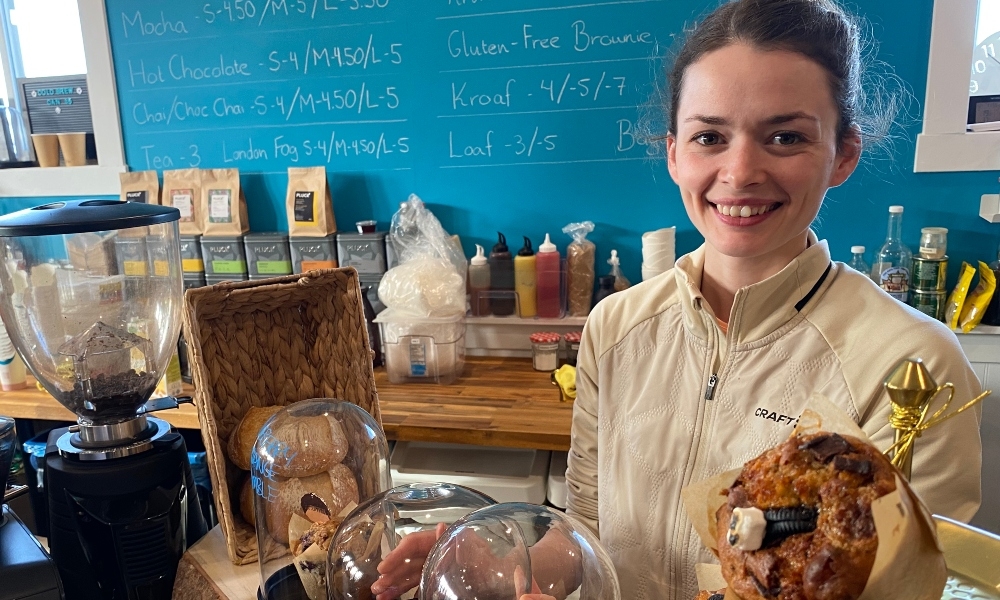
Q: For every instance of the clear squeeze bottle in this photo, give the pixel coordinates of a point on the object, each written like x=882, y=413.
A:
x=524, y=279
x=548, y=268
x=894, y=261
x=501, y=278
x=858, y=260
x=479, y=282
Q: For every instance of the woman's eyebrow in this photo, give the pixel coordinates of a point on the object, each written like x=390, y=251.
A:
x=707, y=119
x=788, y=117
x=775, y=120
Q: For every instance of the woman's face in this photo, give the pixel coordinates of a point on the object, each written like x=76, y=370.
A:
x=756, y=149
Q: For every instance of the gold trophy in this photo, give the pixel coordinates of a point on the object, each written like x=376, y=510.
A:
x=911, y=390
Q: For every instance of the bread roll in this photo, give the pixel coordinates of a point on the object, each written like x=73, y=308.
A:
x=315, y=445
x=243, y=437
x=336, y=488
x=246, y=502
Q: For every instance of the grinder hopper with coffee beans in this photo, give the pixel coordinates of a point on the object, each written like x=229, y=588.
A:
x=825, y=514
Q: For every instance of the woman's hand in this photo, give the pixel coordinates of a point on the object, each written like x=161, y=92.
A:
x=400, y=569
x=519, y=582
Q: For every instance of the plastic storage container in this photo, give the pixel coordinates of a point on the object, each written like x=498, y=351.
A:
x=376, y=527
x=501, y=550
x=309, y=254
x=507, y=474
x=191, y=259
x=420, y=350
x=314, y=461
x=363, y=251
x=268, y=255
x=224, y=255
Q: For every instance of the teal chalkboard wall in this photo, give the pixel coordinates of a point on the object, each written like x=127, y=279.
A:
x=511, y=116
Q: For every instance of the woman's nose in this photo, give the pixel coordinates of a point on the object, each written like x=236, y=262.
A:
x=743, y=165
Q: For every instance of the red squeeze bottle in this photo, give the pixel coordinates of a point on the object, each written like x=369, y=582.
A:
x=548, y=286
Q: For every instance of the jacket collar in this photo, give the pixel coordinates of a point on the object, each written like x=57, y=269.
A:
x=759, y=309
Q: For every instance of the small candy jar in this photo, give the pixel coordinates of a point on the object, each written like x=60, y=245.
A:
x=507, y=550
x=313, y=463
x=376, y=527
x=572, y=340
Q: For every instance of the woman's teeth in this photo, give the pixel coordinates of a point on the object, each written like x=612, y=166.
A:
x=733, y=210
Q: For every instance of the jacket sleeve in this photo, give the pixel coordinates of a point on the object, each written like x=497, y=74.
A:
x=581, y=472
x=947, y=458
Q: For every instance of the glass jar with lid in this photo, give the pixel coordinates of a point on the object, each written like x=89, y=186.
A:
x=507, y=550
x=376, y=527
x=312, y=464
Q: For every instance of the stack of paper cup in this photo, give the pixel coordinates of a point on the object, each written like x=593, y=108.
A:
x=657, y=251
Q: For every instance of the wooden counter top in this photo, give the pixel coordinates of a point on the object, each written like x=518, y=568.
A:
x=497, y=402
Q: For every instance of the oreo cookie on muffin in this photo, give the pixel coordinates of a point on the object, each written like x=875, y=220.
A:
x=797, y=523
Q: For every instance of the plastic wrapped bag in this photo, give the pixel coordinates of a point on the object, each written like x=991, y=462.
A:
x=580, y=255
x=621, y=282
x=430, y=278
x=416, y=233
x=975, y=306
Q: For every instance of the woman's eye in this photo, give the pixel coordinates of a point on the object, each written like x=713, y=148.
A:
x=707, y=139
x=786, y=138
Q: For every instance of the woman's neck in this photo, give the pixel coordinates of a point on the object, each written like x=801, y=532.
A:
x=723, y=275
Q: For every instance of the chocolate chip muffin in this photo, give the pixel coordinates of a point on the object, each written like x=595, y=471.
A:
x=797, y=523
x=706, y=595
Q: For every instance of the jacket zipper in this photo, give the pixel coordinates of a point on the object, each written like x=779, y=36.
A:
x=710, y=389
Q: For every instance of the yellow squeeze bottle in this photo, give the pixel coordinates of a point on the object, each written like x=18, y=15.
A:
x=524, y=280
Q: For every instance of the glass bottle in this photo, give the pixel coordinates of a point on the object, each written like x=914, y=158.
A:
x=894, y=261
x=858, y=260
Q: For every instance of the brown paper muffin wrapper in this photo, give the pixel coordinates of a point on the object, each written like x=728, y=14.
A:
x=909, y=563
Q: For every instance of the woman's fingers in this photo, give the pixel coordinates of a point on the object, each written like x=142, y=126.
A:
x=400, y=569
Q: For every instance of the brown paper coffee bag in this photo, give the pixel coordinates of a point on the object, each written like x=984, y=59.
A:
x=222, y=203
x=310, y=208
x=140, y=186
x=182, y=190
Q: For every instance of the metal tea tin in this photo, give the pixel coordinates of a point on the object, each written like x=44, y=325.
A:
x=929, y=274
x=224, y=255
x=930, y=303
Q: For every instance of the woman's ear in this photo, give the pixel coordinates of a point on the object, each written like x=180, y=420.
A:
x=848, y=156
x=671, y=142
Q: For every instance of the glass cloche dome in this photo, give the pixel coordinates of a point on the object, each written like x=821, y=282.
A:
x=376, y=527
x=312, y=464
x=507, y=550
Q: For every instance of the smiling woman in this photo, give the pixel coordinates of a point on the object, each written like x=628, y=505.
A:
x=696, y=371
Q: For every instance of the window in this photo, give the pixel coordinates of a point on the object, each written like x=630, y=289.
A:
x=964, y=33
x=27, y=50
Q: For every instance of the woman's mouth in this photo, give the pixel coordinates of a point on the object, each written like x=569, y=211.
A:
x=744, y=214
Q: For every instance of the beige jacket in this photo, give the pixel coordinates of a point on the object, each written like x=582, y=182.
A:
x=665, y=399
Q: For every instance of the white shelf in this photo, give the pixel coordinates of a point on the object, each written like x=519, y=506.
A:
x=508, y=336
x=91, y=180
x=989, y=207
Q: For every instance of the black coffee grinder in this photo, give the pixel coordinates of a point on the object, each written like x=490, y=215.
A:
x=91, y=296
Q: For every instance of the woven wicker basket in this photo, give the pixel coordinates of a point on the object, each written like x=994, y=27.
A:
x=266, y=343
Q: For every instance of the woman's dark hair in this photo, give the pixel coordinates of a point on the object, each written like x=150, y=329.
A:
x=817, y=29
